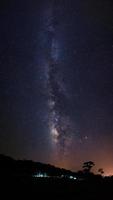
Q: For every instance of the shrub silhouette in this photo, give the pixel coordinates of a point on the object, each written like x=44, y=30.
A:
x=101, y=171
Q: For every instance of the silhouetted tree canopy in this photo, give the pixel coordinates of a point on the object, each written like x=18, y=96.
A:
x=87, y=166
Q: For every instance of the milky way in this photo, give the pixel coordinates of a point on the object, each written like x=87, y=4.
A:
x=59, y=123
x=56, y=95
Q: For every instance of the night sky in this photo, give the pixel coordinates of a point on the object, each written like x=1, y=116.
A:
x=56, y=81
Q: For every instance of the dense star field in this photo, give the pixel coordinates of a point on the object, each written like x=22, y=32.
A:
x=56, y=77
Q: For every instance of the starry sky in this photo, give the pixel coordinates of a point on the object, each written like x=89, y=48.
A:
x=56, y=81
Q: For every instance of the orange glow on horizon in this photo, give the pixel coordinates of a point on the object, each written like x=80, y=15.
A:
x=108, y=172
x=66, y=164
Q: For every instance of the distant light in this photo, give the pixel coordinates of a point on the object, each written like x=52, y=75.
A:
x=72, y=177
x=40, y=175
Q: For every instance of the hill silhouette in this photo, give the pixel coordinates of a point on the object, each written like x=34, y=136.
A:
x=10, y=166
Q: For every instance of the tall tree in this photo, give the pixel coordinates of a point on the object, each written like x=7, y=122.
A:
x=87, y=166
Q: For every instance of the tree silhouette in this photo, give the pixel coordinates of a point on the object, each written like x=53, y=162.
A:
x=87, y=166
x=101, y=171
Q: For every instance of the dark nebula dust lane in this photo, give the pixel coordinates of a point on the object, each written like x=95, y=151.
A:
x=56, y=69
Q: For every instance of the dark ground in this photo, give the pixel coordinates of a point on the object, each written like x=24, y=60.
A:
x=51, y=188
